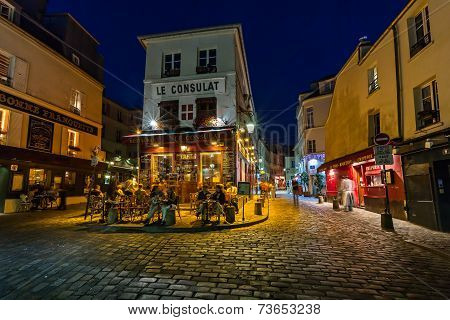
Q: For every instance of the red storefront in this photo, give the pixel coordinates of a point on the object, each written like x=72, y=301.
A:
x=369, y=190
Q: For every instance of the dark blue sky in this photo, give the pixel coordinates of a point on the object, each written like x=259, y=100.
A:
x=288, y=43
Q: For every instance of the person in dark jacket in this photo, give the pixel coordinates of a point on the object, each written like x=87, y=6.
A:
x=219, y=197
x=202, y=195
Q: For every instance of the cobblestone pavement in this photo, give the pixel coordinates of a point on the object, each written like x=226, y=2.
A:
x=301, y=252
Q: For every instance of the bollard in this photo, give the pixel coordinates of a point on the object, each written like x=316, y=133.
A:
x=170, y=218
x=230, y=216
x=258, y=208
x=320, y=199
x=335, y=204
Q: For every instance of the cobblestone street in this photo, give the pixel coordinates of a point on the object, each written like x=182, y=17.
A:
x=302, y=252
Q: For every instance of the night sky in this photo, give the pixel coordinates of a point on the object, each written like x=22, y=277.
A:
x=288, y=43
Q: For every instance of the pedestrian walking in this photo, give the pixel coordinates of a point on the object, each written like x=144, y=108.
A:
x=295, y=186
x=346, y=188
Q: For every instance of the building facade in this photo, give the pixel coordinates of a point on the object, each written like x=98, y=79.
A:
x=277, y=173
x=50, y=112
x=312, y=115
x=198, y=121
x=398, y=86
x=423, y=62
x=118, y=121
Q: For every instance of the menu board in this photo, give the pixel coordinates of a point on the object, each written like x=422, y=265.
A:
x=228, y=166
x=40, y=135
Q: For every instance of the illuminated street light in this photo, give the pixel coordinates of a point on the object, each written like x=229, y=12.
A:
x=250, y=127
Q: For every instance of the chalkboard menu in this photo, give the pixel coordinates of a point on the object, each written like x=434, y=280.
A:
x=40, y=135
x=228, y=166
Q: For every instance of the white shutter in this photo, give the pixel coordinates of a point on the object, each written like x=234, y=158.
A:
x=73, y=97
x=4, y=68
x=15, y=129
x=20, y=78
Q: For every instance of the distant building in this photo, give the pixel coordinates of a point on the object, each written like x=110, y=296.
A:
x=118, y=122
x=312, y=114
x=277, y=174
x=289, y=167
x=50, y=108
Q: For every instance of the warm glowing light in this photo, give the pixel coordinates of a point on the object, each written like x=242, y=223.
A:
x=184, y=148
x=242, y=130
x=250, y=127
x=138, y=131
x=156, y=145
x=214, y=143
x=246, y=139
x=154, y=124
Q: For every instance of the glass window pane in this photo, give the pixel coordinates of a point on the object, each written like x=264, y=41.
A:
x=202, y=62
x=211, y=163
x=190, y=116
x=168, y=58
x=191, y=107
x=202, y=54
x=177, y=57
x=212, y=53
x=212, y=61
x=183, y=116
x=177, y=65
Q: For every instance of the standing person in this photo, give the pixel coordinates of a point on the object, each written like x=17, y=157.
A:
x=346, y=189
x=294, y=184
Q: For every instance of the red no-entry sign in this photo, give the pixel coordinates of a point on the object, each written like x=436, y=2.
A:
x=382, y=139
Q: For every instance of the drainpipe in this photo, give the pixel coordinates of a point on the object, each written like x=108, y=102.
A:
x=398, y=81
x=400, y=107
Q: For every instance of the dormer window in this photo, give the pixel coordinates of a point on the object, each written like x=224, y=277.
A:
x=6, y=10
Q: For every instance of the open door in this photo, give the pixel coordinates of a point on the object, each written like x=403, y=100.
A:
x=4, y=182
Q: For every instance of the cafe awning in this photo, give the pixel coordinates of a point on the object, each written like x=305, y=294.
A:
x=360, y=156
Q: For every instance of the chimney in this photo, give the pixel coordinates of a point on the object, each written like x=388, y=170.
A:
x=364, y=46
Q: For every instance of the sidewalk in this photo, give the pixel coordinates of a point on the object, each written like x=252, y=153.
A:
x=435, y=241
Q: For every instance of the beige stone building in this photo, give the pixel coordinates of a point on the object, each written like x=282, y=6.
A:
x=50, y=115
x=398, y=86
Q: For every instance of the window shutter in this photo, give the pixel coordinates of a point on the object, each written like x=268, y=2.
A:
x=417, y=105
x=83, y=104
x=371, y=130
x=73, y=97
x=15, y=129
x=4, y=67
x=20, y=78
x=411, y=31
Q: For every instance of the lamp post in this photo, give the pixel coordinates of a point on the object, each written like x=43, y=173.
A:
x=138, y=156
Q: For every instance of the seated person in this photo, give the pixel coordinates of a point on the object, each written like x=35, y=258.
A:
x=97, y=191
x=231, y=194
x=140, y=194
x=118, y=193
x=155, y=196
x=219, y=197
x=202, y=195
x=169, y=201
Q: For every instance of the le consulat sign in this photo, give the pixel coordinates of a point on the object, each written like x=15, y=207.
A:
x=26, y=106
x=188, y=87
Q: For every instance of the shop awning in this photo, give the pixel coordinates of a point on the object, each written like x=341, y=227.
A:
x=360, y=156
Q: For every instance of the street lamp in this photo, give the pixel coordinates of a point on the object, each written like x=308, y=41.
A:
x=138, y=132
x=250, y=127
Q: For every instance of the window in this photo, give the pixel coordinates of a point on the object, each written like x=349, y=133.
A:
x=75, y=59
x=374, y=127
x=37, y=176
x=311, y=146
x=172, y=64
x=206, y=108
x=373, y=79
x=168, y=113
x=211, y=168
x=4, y=121
x=73, y=139
x=309, y=118
x=69, y=178
x=427, y=104
x=119, y=115
x=76, y=101
x=6, y=10
x=105, y=109
x=326, y=87
x=207, y=61
x=5, y=68
x=118, y=136
x=419, y=28
x=187, y=112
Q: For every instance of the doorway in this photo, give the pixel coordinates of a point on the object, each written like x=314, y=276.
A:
x=4, y=182
x=442, y=186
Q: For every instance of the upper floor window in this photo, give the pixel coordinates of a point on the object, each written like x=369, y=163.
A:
x=172, y=65
x=75, y=59
x=326, y=87
x=5, y=68
x=105, y=109
x=309, y=118
x=187, y=112
x=6, y=10
x=311, y=145
x=168, y=113
x=207, y=61
x=419, y=31
x=373, y=79
x=118, y=136
x=374, y=127
x=73, y=142
x=119, y=115
x=206, y=109
x=4, y=121
x=76, y=101
x=426, y=99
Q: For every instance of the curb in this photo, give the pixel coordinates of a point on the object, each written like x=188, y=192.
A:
x=152, y=229
x=428, y=248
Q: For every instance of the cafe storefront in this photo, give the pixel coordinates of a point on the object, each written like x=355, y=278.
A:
x=369, y=189
x=189, y=159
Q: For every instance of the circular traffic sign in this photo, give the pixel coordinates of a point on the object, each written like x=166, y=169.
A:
x=382, y=139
